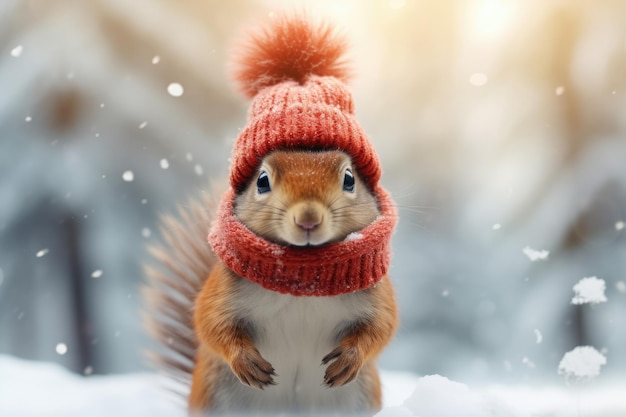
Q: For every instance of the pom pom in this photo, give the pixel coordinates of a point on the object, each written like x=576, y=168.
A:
x=289, y=48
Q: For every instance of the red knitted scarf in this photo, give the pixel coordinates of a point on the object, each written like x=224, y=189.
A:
x=356, y=263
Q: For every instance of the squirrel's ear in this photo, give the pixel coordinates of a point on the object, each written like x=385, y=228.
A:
x=288, y=48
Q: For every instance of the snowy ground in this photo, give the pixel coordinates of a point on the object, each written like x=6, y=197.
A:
x=43, y=389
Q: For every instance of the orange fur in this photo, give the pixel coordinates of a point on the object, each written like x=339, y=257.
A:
x=224, y=339
x=365, y=341
x=289, y=48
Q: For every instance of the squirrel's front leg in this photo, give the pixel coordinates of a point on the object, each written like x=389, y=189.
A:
x=220, y=330
x=365, y=338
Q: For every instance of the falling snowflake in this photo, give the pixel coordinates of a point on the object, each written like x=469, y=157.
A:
x=559, y=90
x=535, y=255
x=42, y=253
x=619, y=225
x=61, y=348
x=496, y=226
x=589, y=290
x=143, y=125
x=198, y=169
x=156, y=59
x=164, y=163
x=128, y=176
x=145, y=232
x=583, y=362
x=97, y=273
x=538, y=336
x=528, y=362
x=175, y=90
x=17, y=51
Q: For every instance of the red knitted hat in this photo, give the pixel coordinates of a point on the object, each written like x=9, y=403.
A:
x=294, y=73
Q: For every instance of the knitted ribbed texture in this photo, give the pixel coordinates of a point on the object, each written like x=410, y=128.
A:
x=318, y=114
x=351, y=265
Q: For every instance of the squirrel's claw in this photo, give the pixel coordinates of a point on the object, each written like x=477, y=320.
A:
x=344, y=369
x=251, y=369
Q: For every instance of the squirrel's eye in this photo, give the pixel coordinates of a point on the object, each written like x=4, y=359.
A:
x=263, y=183
x=348, y=181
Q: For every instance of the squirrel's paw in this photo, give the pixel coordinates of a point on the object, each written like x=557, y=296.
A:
x=344, y=369
x=251, y=369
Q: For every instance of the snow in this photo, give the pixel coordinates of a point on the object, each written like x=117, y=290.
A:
x=17, y=51
x=164, y=163
x=143, y=125
x=496, y=226
x=175, y=89
x=353, y=236
x=44, y=389
x=559, y=90
x=156, y=59
x=619, y=285
x=589, y=290
x=128, y=176
x=42, y=253
x=198, y=169
x=432, y=395
x=146, y=232
x=538, y=336
x=97, y=273
x=535, y=255
x=583, y=362
x=619, y=225
x=61, y=348
x=528, y=363
x=39, y=388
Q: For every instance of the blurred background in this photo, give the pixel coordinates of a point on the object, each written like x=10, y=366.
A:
x=501, y=125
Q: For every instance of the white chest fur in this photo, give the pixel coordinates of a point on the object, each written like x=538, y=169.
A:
x=294, y=334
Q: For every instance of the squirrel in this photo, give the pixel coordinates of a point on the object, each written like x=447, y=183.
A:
x=289, y=304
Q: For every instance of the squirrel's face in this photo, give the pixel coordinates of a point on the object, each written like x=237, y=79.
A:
x=305, y=198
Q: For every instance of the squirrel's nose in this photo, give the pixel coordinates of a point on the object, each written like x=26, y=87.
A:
x=308, y=225
x=308, y=218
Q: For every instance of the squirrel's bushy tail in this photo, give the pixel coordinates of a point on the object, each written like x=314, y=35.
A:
x=181, y=263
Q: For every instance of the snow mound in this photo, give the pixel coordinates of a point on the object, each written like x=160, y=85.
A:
x=432, y=398
x=589, y=290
